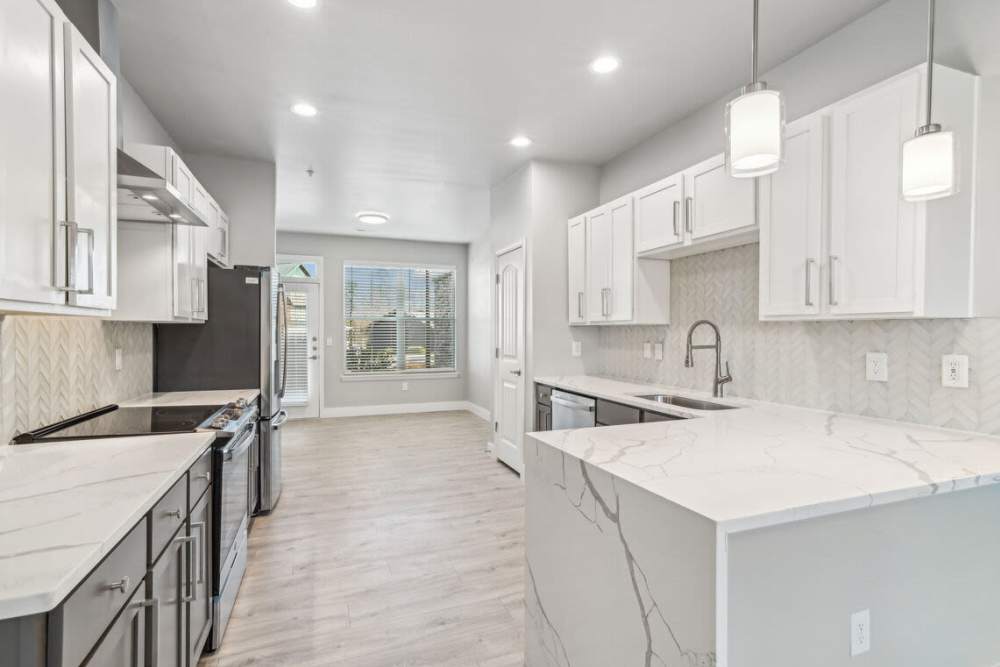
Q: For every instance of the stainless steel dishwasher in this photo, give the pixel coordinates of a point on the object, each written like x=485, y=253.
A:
x=571, y=411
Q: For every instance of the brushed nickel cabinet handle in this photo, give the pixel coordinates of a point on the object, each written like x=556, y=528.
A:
x=833, y=283
x=207, y=476
x=153, y=604
x=579, y=305
x=72, y=239
x=689, y=214
x=677, y=215
x=90, y=260
x=122, y=585
x=177, y=513
x=809, y=267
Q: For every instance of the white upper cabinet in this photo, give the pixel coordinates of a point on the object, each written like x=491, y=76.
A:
x=838, y=240
x=717, y=204
x=598, y=262
x=91, y=172
x=791, y=223
x=218, y=236
x=576, y=290
x=57, y=166
x=658, y=216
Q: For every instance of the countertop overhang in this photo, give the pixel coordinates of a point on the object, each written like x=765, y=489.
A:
x=767, y=464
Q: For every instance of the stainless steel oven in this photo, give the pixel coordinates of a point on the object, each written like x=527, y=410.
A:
x=232, y=493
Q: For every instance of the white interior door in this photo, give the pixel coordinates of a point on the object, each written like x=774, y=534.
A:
x=304, y=351
x=509, y=381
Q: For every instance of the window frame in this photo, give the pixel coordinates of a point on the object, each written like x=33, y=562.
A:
x=416, y=373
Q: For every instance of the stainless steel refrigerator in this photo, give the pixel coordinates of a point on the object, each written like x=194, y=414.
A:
x=242, y=345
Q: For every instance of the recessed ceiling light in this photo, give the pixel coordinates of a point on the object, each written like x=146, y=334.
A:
x=304, y=109
x=520, y=141
x=150, y=197
x=303, y=4
x=605, y=65
x=372, y=217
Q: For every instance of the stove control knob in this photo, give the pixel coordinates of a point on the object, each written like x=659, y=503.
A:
x=241, y=403
x=219, y=422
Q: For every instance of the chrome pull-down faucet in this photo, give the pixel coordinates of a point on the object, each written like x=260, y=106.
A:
x=720, y=379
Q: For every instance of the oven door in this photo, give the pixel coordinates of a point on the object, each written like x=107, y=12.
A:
x=235, y=489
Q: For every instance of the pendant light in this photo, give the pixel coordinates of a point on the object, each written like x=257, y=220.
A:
x=755, y=124
x=929, y=157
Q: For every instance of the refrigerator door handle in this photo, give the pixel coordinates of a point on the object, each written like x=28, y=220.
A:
x=279, y=420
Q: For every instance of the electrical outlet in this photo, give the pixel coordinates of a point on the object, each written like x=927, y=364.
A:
x=658, y=351
x=577, y=348
x=877, y=367
x=861, y=632
x=647, y=350
x=405, y=386
x=118, y=358
x=955, y=371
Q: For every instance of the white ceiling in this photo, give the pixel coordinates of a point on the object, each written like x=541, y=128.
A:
x=417, y=99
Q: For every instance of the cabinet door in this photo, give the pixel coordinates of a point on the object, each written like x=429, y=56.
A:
x=715, y=202
x=658, y=216
x=200, y=201
x=200, y=606
x=32, y=152
x=791, y=223
x=199, y=271
x=169, y=580
x=183, y=272
x=91, y=178
x=622, y=260
x=872, y=230
x=599, y=250
x=125, y=641
x=181, y=178
x=223, y=232
x=576, y=244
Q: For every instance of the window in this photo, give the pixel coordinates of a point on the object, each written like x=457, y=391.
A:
x=303, y=270
x=297, y=379
x=398, y=319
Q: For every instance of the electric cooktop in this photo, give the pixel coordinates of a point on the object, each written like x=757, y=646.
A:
x=112, y=421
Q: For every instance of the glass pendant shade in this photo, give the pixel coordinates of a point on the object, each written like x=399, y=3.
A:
x=755, y=128
x=929, y=166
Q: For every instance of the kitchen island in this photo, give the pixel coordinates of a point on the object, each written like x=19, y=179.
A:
x=748, y=538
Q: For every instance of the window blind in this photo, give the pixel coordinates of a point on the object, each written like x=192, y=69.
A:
x=297, y=382
x=398, y=319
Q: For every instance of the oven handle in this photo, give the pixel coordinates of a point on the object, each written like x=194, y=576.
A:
x=239, y=446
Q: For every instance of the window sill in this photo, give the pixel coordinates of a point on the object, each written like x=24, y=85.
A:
x=399, y=377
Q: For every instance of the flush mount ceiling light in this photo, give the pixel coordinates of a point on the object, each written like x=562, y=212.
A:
x=304, y=109
x=303, y=4
x=755, y=124
x=929, y=157
x=372, y=217
x=605, y=65
x=520, y=141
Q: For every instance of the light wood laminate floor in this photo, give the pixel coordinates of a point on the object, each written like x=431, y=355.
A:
x=397, y=541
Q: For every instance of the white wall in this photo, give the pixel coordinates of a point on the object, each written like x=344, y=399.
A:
x=335, y=250
x=139, y=125
x=246, y=190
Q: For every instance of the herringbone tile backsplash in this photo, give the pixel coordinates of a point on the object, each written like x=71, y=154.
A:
x=812, y=364
x=53, y=368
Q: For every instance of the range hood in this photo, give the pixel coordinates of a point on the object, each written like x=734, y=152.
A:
x=145, y=196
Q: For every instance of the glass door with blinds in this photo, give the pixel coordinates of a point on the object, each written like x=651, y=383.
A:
x=302, y=385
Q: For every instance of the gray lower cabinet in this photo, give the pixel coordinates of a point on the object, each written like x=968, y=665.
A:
x=125, y=642
x=200, y=606
x=169, y=586
x=543, y=417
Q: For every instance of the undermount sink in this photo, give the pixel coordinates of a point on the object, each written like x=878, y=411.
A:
x=682, y=402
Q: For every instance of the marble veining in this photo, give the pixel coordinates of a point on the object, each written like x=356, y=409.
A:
x=178, y=398
x=765, y=464
x=64, y=505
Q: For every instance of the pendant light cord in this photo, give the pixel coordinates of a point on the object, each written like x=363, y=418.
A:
x=753, y=42
x=930, y=57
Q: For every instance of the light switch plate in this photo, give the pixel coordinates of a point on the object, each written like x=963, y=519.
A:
x=658, y=351
x=861, y=632
x=577, y=348
x=877, y=367
x=955, y=371
x=647, y=350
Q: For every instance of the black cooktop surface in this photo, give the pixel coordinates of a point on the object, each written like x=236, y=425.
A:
x=112, y=421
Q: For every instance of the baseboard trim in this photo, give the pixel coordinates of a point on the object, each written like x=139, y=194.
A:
x=404, y=409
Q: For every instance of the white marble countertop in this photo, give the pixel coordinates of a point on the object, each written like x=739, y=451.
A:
x=64, y=505
x=767, y=464
x=173, y=398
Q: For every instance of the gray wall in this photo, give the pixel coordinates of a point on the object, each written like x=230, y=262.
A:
x=335, y=250
x=822, y=364
x=139, y=125
x=926, y=569
x=246, y=190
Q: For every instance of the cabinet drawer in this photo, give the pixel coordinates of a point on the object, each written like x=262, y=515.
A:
x=658, y=417
x=200, y=476
x=167, y=516
x=88, y=611
x=543, y=394
x=612, y=414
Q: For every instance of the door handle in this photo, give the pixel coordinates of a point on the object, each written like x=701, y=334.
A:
x=688, y=215
x=677, y=215
x=516, y=371
x=809, y=267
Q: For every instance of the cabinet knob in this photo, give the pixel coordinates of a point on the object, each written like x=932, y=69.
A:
x=121, y=585
x=207, y=476
x=177, y=513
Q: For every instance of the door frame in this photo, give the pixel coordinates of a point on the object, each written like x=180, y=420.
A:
x=494, y=340
x=283, y=258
